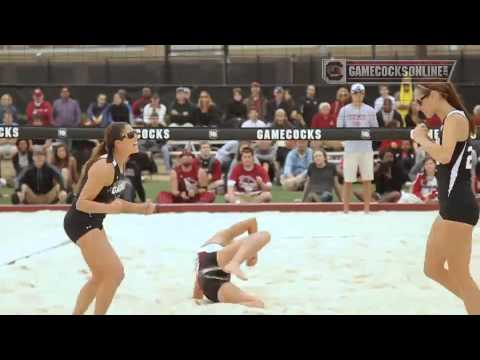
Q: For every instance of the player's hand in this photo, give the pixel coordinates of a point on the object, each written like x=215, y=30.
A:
x=259, y=180
x=183, y=195
x=419, y=133
x=191, y=193
x=149, y=208
x=252, y=261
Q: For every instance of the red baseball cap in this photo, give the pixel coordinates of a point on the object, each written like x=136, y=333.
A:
x=38, y=93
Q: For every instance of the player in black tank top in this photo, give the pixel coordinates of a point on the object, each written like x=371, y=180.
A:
x=101, y=186
x=450, y=240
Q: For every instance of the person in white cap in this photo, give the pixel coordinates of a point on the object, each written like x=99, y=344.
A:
x=358, y=154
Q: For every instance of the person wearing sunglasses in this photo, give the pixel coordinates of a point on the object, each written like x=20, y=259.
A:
x=450, y=239
x=101, y=186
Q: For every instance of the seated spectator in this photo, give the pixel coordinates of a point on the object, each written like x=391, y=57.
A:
x=188, y=183
x=322, y=179
x=188, y=95
x=96, y=112
x=253, y=121
x=309, y=106
x=414, y=116
x=297, y=121
x=425, y=187
x=127, y=101
x=343, y=98
x=139, y=105
x=133, y=178
x=226, y=154
x=156, y=146
x=155, y=108
x=323, y=119
x=181, y=111
x=237, y=109
x=7, y=146
x=405, y=155
x=66, y=111
x=384, y=95
x=23, y=156
x=238, y=157
x=256, y=101
x=206, y=114
x=39, y=183
x=45, y=143
x=389, y=179
x=248, y=182
x=296, y=167
x=66, y=164
x=281, y=120
x=118, y=111
x=390, y=144
x=39, y=106
x=290, y=103
x=476, y=115
x=6, y=105
x=207, y=161
x=387, y=114
x=266, y=153
x=277, y=103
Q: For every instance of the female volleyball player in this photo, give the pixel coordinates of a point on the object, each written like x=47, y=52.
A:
x=222, y=256
x=100, y=188
x=450, y=240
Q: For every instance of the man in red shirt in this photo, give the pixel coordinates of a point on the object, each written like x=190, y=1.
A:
x=249, y=182
x=139, y=105
x=40, y=108
x=212, y=167
x=188, y=183
x=343, y=98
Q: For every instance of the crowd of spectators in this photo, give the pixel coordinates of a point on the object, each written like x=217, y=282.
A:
x=47, y=171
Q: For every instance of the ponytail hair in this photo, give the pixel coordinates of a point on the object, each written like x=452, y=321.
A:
x=449, y=92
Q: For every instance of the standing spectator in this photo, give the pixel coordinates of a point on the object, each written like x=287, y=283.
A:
x=414, y=117
x=96, y=112
x=297, y=121
x=39, y=106
x=405, y=97
x=253, y=121
x=309, y=106
x=181, y=111
x=23, y=156
x=278, y=102
x=322, y=179
x=6, y=105
x=236, y=109
x=139, y=105
x=323, y=119
x=206, y=114
x=212, y=167
x=358, y=154
x=39, y=183
x=66, y=111
x=66, y=164
x=387, y=114
x=117, y=111
x=256, y=101
x=290, y=103
x=266, y=153
x=249, y=181
x=296, y=167
x=476, y=115
x=343, y=98
x=425, y=187
x=156, y=146
x=384, y=94
x=188, y=183
x=155, y=108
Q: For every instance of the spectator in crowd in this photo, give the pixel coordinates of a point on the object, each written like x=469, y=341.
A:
x=405, y=97
x=226, y=154
x=296, y=167
x=117, y=111
x=414, y=116
x=249, y=182
x=281, y=120
x=256, y=101
x=266, y=153
x=277, y=103
x=358, y=154
x=7, y=146
x=139, y=105
x=238, y=156
x=151, y=147
x=297, y=121
x=284, y=147
x=290, y=103
x=343, y=98
x=206, y=114
x=188, y=183
x=23, y=156
x=96, y=112
x=45, y=143
x=6, y=105
x=155, y=108
x=309, y=106
x=405, y=155
x=323, y=119
x=322, y=179
x=133, y=177
x=434, y=122
x=236, y=109
x=188, y=95
x=127, y=101
x=384, y=94
x=39, y=106
x=425, y=187
x=253, y=121
x=387, y=114
x=476, y=115
x=212, y=167
x=66, y=111
x=181, y=111
x=66, y=164
x=39, y=183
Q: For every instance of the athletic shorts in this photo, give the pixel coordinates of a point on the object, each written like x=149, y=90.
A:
x=210, y=276
x=76, y=223
x=352, y=162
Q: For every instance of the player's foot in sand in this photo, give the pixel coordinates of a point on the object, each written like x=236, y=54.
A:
x=234, y=269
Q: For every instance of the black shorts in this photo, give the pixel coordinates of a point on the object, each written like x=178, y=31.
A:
x=212, y=281
x=77, y=223
x=460, y=209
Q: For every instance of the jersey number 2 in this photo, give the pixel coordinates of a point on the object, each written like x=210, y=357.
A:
x=469, y=158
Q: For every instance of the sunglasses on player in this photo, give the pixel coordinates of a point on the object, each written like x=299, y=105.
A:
x=129, y=135
x=420, y=101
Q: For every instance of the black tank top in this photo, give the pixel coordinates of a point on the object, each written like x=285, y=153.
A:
x=454, y=178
